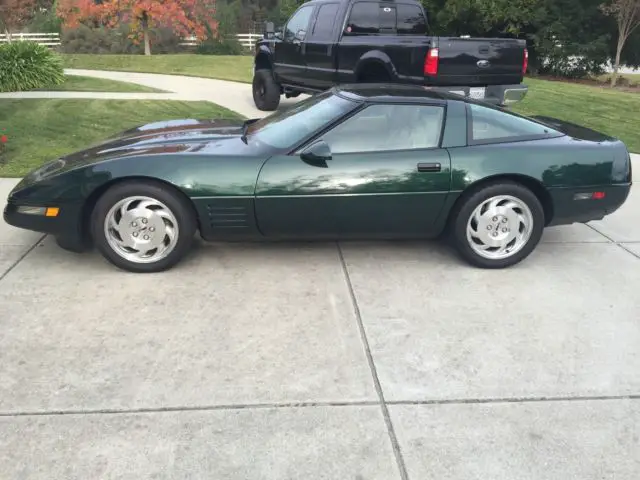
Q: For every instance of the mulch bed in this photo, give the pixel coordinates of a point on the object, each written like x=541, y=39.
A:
x=592, y=83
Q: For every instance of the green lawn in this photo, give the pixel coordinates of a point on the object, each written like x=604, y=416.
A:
x=42, y=129
x=75, y=83
x=608, y=111
x=223, y=67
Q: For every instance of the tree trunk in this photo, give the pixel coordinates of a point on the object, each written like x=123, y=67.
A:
x=616, y=65
x=8, y=34
x=145, y=32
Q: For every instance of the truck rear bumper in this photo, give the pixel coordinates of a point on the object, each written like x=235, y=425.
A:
x=495, y=94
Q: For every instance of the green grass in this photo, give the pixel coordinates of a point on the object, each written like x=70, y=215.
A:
x=609, y=111
x=43, y=129
x=222, y=67
x=75, y=83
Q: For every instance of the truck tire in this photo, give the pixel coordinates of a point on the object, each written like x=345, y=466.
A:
x=266, y=92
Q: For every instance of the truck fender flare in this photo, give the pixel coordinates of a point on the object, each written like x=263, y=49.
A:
x=263, y=59
x=379, y=58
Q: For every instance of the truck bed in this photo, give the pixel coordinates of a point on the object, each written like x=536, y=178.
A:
x=462, y=61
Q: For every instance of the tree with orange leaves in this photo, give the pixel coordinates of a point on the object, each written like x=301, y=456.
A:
x=184, y=17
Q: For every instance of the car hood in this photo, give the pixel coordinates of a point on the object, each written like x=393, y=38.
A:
x=167, y=137
x=185, y=136
x=577, y=132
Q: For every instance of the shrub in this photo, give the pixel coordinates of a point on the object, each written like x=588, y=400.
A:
x=45, y=21
x=101, y=40
x=28, y=66
x=227, y=46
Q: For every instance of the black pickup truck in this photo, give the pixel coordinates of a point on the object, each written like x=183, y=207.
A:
x=327, y=42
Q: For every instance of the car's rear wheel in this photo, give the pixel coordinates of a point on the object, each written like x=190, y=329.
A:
x=498, y=225
x=266, y=92
x=143, y=227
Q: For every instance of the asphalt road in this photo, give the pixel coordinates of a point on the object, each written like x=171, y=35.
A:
x=367, y=360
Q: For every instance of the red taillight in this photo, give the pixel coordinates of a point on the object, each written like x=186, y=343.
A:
x=431, y=62
x=598, y=195
x=525, y=62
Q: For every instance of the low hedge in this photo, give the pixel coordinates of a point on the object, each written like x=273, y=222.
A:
x=102, y=40
x=28, y=66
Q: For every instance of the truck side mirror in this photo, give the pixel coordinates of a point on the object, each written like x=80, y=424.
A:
x=269, y=29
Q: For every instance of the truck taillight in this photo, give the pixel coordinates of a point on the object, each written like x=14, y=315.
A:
x=431, y=62
x=525, y=62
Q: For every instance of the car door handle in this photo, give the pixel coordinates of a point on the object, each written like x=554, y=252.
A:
x=429, y=167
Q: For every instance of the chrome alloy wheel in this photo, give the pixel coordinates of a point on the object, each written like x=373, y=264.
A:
x=141, y=229
x=499, y=227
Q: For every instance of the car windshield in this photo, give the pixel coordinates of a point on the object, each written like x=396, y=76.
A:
x=289, y=126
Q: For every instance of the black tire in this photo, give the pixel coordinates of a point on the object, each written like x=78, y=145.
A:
x=266, y=92
x=180, y=207
x=470, y=201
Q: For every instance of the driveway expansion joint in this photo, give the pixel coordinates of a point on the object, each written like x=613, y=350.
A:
x=376, y=381
x=330, y=404
x=619, y=244
x=466, y=401
x=196, y=408
x=22, y=257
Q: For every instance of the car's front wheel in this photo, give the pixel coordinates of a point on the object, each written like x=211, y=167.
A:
x=498, y=225
x=143, y=227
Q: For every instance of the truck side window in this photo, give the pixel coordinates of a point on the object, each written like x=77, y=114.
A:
x=411, y=20
x=326, y=19
x=299, y=21
x=369, y=18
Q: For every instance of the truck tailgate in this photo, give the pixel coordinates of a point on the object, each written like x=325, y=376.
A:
x=479, y=61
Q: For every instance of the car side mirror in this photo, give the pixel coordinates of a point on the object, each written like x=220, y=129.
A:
x=317, y=153
x=278, y=35
x=300, y=34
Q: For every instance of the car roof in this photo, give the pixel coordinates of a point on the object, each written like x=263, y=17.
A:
x=393, y=93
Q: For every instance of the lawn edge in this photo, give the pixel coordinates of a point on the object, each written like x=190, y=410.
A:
x=243, y=82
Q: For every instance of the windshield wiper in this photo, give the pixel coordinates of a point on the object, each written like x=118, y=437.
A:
x=245, y=126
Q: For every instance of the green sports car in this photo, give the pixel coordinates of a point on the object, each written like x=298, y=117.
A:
x=364, y=161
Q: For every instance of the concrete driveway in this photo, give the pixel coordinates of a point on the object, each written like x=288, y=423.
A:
x=368, y=360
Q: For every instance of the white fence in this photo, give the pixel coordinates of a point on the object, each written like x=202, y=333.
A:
x=247, y=40
x=47, y=39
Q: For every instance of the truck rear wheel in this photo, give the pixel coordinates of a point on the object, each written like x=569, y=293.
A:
x=266, y=92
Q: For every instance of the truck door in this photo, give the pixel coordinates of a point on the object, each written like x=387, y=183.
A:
x=319, y=49
x=289, y=55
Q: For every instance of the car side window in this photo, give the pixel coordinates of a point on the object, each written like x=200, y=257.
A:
x=326, y=19
x=299, y=21
x=489, y=125
x=380, y=128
